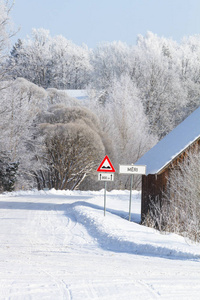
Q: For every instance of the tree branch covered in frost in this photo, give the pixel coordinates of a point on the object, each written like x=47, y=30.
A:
x=139, y=94
x=5, y=34
x=165, y=73
x=67, y=147
x=179, y=209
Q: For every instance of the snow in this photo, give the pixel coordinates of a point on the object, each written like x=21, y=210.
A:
x=78, y=94
x=58, y=245
x=172, y=144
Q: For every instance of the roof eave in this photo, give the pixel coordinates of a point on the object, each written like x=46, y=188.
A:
x=175, y=157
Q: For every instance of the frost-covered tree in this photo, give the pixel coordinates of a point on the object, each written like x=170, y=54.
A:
x=160, y=88
x=129, y=124
x=179, y=210
x=66, y=146
x=123, y=120
x=109, y=60
x=32, y=56
x=155, y=67
x=8, y=167
x=51, y=62
x=21, y=102
x=70, y=64
x=5, y=35
x=188, y=61
x=138, y=92
x=55, y=96
x=184, y=197
x=166, y=73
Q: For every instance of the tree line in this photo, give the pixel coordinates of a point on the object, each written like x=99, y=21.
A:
x=136, y=95
x=164, y=74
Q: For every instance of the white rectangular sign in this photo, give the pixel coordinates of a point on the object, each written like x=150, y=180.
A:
x=105, y=177
x=132, y=169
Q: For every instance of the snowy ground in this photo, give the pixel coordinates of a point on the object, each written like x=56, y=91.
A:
x=58, y=245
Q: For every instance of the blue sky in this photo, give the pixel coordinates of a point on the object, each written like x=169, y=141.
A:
x=95, y=21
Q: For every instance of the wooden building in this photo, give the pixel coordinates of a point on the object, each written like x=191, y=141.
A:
x=165, y=156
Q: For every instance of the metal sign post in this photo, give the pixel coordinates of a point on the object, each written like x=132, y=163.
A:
x=105, y=177
x=108, y=175
x=105, y=198
x=131, y=170
x=130, y=198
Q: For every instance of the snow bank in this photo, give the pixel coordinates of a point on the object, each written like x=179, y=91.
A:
x=118, y=235
x=114, y=232
x=35, y=192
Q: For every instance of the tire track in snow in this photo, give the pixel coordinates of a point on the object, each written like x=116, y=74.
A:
x=35, y=245
x=155, y=294
x=62, y=291
x=40, y=225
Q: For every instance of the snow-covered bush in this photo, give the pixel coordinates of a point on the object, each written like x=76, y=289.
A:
x=66, y=145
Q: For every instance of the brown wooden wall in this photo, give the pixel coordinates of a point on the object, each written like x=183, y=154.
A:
x=154, y=185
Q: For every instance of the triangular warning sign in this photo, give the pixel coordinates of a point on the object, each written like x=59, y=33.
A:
x=106, y=165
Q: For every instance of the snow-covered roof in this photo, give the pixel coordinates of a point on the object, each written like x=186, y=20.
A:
x=172, y=144
x=78, y=94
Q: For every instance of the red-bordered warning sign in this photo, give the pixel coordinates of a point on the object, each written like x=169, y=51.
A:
x=106, y=165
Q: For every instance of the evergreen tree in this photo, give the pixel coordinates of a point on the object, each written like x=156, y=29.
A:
x=8, y=171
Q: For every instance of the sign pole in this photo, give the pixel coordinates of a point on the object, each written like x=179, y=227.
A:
x=106, y=167
x=105, y=199
x=130, y=198
x=132, y=170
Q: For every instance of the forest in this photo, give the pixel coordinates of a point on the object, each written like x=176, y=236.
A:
x=136, y=95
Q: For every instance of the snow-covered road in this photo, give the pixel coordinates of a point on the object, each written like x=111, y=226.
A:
x=58, y=245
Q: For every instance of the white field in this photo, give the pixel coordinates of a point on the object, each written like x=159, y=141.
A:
x=58, y=245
